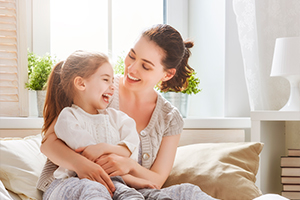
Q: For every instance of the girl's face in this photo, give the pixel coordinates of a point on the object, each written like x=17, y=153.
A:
x=99, y=87
x=143, y=69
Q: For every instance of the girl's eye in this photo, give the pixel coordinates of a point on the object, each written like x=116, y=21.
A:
x=105, y=80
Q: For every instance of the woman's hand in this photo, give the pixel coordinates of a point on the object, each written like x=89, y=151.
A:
x=138, y=183
x=59, y=153
x=116, y=165
x=94, y=172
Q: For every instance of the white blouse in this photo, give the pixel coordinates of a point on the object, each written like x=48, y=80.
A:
x=78, y=128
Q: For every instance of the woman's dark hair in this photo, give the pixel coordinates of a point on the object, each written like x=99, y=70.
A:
x=176, y=55
x=60, y=85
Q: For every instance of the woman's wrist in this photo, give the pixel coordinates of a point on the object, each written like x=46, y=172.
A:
x=133, y=166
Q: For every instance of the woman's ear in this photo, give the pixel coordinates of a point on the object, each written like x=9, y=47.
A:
x=79, y=83
x=169, y=74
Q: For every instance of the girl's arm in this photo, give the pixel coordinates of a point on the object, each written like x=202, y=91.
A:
x=93, y=152
x=158, y=173
x=59, y=153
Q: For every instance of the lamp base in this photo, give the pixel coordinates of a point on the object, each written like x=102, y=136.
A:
x=293, y=103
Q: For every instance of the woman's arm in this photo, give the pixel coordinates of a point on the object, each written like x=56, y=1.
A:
x=160, y=170
x=59, y=153
x=138, y=183
x=163, y=163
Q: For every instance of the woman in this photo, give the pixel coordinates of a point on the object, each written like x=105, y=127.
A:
x=159, y=56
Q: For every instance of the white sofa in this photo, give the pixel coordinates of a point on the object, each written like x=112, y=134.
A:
x=225, y=170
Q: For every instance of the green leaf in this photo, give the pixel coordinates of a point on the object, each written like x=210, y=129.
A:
x=39, y=69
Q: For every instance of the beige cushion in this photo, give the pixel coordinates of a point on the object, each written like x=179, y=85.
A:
x=223, y=170
x=21, y=164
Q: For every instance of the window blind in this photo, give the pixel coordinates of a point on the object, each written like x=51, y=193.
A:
x=13, y=59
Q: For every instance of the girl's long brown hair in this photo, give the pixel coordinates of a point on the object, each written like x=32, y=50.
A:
x=60, y=86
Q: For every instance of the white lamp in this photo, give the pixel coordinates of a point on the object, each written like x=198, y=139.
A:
x=286, y=63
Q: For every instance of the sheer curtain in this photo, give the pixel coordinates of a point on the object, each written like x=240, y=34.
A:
x=259, y=23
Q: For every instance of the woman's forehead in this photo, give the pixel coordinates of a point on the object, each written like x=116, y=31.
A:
x=147, y=49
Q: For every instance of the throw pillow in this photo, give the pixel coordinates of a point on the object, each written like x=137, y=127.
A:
x=223, y=170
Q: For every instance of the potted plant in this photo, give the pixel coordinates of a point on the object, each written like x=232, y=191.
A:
x=178, y=99
x=39, y=69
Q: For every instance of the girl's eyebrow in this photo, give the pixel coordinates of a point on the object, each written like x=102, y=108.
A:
x=105, y=75
x=147, y=61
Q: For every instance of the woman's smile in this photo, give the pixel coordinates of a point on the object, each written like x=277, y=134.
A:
x=133, y=78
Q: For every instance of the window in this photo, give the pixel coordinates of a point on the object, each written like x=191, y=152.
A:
x=216, y=56
x=13, y=54
x=108, y=26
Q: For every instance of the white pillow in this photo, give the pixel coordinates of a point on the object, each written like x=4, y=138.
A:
x=21, y=165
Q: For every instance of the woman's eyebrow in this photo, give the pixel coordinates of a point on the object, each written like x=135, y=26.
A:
x=147, y=61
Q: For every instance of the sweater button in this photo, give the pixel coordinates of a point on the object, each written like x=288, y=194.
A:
x=143, y=133
x=146, y=156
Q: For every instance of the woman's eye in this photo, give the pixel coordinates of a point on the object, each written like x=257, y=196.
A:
x=145, y=67
x=130, y=56
x=105, y=80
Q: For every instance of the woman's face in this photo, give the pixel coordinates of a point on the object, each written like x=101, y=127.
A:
x=143, y=69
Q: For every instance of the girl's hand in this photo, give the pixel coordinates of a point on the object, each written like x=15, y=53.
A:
x=94, y=172
x=115, y=165
x=92, y=152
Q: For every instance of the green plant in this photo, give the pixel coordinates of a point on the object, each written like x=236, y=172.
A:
x=119, y=66
x=192, y=86
x=39, y=68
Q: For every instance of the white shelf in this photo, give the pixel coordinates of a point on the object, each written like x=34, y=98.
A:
x=217, y=123
x=189, y=123
x=21, y=122
x=275, y=115
x=268, y=127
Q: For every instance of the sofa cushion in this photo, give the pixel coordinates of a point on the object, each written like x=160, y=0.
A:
x=21, y=164
x=223, y=170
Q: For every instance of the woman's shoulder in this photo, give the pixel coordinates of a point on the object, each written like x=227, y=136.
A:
x=168, y=116
x=166, y=108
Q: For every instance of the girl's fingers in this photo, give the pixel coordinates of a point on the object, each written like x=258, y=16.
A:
x=79, y=150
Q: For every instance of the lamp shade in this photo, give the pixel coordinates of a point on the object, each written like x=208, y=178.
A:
x=286, y=58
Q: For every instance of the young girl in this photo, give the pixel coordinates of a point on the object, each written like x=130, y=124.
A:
x=160, y=55
x=82, y=85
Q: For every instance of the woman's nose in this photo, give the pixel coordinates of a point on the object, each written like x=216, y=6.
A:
x=132, y=67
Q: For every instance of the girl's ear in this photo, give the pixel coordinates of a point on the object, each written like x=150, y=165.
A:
x=79, y=83
x=169, y=74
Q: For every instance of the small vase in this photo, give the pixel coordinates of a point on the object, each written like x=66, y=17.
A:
x=179, y=100
x=41, y=95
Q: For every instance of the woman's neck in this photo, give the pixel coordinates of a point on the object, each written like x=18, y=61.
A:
x=138, y=105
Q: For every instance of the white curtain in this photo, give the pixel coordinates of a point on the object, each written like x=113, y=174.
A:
x=259, y=23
